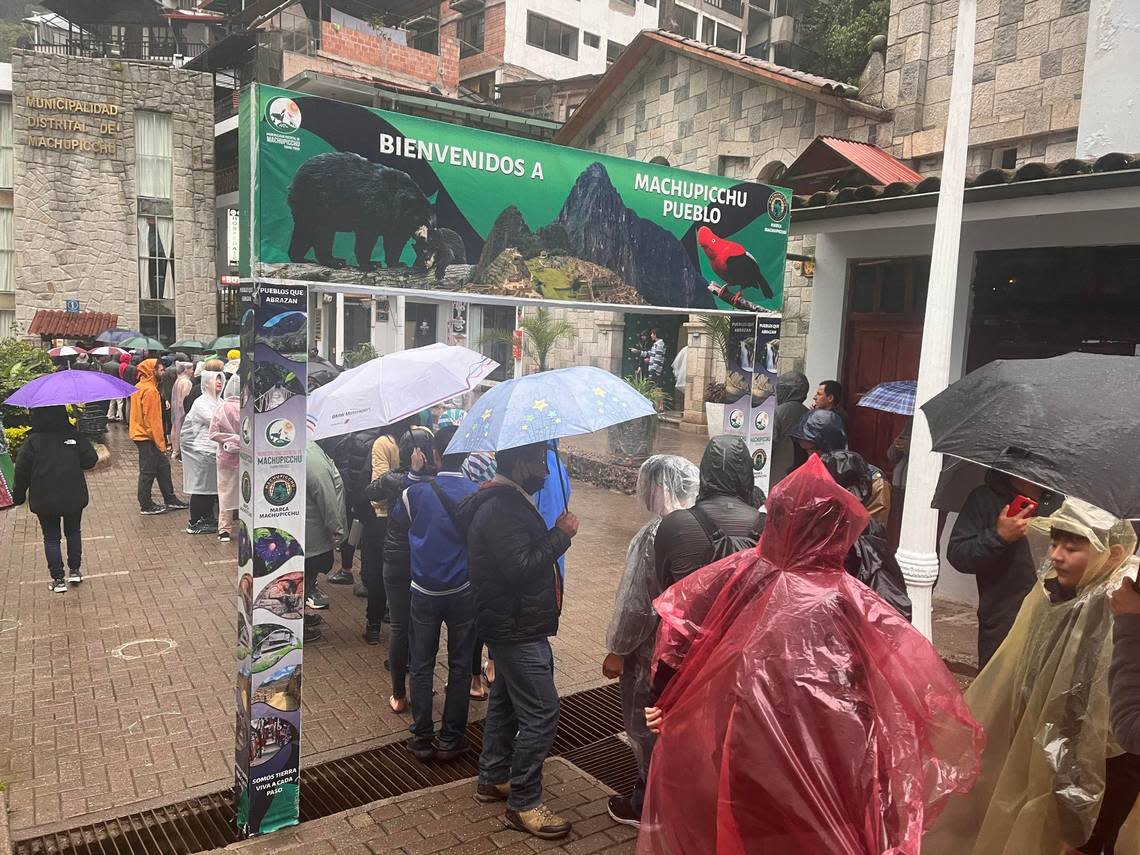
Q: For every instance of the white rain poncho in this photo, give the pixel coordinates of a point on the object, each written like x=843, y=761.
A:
x=199, y=452
x=1043, y=701
x=665, y=483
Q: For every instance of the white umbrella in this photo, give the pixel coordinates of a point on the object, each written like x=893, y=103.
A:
x=384, y=390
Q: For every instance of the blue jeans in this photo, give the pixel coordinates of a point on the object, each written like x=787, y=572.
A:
x=428, y=615
x=53, y=551
x=522, y=718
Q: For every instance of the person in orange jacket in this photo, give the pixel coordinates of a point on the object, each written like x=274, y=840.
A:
x=150, y=436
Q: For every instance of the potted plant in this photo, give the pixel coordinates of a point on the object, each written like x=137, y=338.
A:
x=717, y=328
x=542, y=331
x=632, y=441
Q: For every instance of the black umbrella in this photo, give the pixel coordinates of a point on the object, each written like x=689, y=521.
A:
x=1070, y=423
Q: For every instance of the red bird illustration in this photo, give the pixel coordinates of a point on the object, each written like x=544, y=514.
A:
x=732, y=263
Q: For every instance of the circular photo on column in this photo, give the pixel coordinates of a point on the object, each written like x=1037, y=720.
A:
x=762, y=420
x=271, y=643
x=736, y=419
x=284, y=597
x=268, y=736
x=759, y=460
x=272, y=547
x=281, y=689
x=245, y=588
x=246, y=487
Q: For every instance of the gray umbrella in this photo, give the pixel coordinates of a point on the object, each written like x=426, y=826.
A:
x=1070, y=423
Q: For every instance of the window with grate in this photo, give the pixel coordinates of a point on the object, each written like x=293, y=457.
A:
x=471, y=31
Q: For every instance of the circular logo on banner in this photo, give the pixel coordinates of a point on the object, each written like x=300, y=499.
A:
x=761, y=420
x=246, y=431
x=759, y=459
x=246, y=486
x=777, y=204
x=280, y=490
x=284, y=115
x=280, y=433
x=736, y=419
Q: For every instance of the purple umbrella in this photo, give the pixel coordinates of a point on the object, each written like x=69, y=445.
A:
x=70, y=387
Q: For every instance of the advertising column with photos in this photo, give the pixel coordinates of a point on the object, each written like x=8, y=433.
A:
x=750, y=387
x=271, y=556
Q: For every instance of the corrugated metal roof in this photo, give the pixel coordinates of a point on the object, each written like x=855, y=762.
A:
x=54, y=324
x=881, y=166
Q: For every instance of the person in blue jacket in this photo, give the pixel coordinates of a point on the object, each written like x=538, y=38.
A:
x=554, y=497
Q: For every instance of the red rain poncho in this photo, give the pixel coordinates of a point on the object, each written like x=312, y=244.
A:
x=806, y=715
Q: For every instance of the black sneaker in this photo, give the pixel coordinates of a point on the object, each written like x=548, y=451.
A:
x=341, y=577
x=620, y=809
x=224, y=536
x=487, y=793
x=75, y=577
x=317, y=599
x=209, y=527
x=312, y=633
x=177, y=505
x=372, y=634
x=153, y=510
x=313, y=621
x=447, y=753
x=421, y=747
x=58, y=586
x=196, y=527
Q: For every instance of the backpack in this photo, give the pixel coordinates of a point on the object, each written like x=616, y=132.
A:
x=723, y=545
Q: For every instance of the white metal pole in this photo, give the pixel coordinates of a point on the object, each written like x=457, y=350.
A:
x=339, y=358
x=918, y=548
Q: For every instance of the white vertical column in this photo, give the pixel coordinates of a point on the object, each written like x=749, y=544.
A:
x=339, y=359
x=918, y=548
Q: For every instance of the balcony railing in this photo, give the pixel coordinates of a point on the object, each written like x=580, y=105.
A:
x=154, y=51
x=733, y=7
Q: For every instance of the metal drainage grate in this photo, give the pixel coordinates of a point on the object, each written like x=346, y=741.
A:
x=201, y=824
x=610, y=760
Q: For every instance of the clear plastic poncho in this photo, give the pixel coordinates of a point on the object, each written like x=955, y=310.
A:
x=1043, y=700
x=665, y=483
x=806, y=715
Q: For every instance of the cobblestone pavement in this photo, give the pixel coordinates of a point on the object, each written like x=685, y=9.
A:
x=446, y=820
x=120, y=692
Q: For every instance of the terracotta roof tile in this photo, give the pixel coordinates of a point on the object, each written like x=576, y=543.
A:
x=50, y=323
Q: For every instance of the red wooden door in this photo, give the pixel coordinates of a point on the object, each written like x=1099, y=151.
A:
x=883, y=342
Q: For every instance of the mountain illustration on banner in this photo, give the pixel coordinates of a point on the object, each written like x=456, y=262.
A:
x=431, y=206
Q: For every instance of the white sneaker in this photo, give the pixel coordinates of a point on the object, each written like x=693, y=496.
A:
x=75, y=577
x=58, y=586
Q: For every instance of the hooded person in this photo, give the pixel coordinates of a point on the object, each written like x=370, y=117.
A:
x=49, y=476
x=1053, y=774
x=820, y=431
x=225, y=431
x=791, y=392
x=870, y=560
x=804, y=715
x=725, y=513
x=665, y=483
x=182, y=385
x=148, y=434
x=199, y=455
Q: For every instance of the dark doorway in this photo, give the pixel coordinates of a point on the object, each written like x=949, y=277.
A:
x=885, y=305
x=419, y=323
x=1036, y=303
x=669, y=327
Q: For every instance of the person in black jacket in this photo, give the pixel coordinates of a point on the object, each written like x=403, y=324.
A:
x=727, y=497
x=518, y=596
x=49, y=476
x=990, y=545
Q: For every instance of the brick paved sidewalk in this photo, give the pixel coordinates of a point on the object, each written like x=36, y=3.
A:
x=447, y=820
x=121, y=691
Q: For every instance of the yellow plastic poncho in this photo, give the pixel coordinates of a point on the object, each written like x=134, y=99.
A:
x=1043, y=701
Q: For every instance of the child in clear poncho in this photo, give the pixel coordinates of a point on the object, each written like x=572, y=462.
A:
x=665, y=483
x=1053, y=776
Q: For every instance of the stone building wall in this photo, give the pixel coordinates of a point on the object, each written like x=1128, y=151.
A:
x=76, y=209
x=1028, y=70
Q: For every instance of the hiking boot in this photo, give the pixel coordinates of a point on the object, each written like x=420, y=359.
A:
x=620, y=809
x=453, y=751
x=153, y=510
x=541, y=821
x=177, y=505
x=58, y=586
x=372, y=633
x=341, y=577
x=421, y=747
x=75, y=577
x=487, y=793
x=317, y=599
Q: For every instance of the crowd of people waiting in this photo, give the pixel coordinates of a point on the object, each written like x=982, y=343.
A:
x=773, y=690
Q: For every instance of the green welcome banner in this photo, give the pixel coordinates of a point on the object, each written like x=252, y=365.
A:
x=343, y=193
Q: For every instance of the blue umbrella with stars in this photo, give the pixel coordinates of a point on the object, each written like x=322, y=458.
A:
x=548, y=405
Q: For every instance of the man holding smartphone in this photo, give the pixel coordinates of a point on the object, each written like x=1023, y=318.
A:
x=990, y=545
